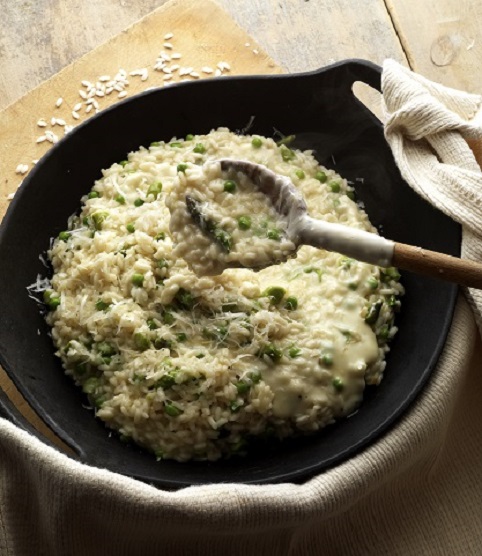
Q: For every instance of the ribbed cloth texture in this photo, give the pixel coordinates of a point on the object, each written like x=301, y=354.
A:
x=414, y=492
x=428, y=127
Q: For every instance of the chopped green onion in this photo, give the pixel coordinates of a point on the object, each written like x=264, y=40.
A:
x=372, y=283
x=294, y=352
x=98, y=218
x=162, y=263
x=286, y=153
x=172, y=410
x=181, y=337
x=154, y=189
x=160, y=236
x=51, y=299
x=389, y=274
x=141, y=342
x=235, y=406
x=106, y=349
x=286, y=140
x=102, y=305
x=90, y=385
x=168, y=317
x=373, y=312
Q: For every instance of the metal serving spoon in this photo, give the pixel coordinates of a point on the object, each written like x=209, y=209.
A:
x=357, y=244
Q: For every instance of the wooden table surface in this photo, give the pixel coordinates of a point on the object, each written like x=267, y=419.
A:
x=441, y=39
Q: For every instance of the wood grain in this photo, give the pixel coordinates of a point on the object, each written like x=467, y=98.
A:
x=203, y=33
x=442, y=39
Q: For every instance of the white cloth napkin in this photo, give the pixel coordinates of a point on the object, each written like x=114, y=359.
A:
x=428, y=127
x=415, y=491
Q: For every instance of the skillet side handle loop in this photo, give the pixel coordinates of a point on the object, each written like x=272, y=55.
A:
x=367, y=72
x=438, y=265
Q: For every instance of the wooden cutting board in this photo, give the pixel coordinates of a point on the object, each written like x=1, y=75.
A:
x=203, y=34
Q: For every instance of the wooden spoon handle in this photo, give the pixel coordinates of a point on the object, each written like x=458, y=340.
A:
x=461, y=271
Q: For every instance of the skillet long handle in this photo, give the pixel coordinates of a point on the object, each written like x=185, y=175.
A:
x=438, y=265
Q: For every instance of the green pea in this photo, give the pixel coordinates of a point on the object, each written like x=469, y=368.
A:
x=242, y=387
x=120, y=199
x=130, y=228
x=137, y=279
x=321, y=176
x=138, y=202
x=182, y=168
x=175, y=144
x=256, y=142
x=141, y=342
x=351, y=194
x=160, y=236
x=244, y=222
x=181, y=337
x=335, y=186
x=155, y=144
x=124, y=163
x=64, y=236
x=189, y=137
x=274, y=234
x=162, y=343
x=51, y=299
x=98, y=218
x=154, y=189
x=93, y=195
x=372, y=283
x=326, y=359
x=102, y=305
x=338, y=384
x=199, y=148
x=291, y=303
x=300, y=174
x=152, y=324
x=272, y=351
x=229, y=186
x=172, y=410
x=353, y=286
x=275, y=294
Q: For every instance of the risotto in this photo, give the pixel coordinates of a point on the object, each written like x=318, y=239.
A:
x=193, y=367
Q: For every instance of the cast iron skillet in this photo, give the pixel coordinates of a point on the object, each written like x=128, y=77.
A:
x=318, y=107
